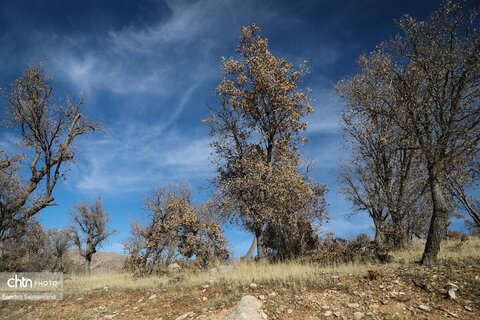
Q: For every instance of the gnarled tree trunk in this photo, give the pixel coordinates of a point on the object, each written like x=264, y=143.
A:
x=438, y=223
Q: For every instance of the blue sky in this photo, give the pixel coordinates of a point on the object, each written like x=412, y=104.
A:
x=149, y=68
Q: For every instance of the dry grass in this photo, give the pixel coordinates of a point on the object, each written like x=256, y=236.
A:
x=450, y=250
x=282, y=274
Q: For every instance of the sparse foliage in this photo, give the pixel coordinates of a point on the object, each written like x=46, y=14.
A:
x=426, y=82
x=61, y=240
x=48, y=131
x=174, y=228
x=90, y=228
x=382, y=178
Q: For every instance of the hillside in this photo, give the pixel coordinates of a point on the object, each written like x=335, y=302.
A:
x=102, y=262
x=401, y=289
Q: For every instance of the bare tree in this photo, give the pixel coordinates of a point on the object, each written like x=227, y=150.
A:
x=48, y=130
x=464, y=180
x=426, y=81
x=256, y=125
x=61, y=240
x=90, y=228
x=382, y=178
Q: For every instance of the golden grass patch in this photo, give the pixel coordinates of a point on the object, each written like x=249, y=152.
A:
x=288, y=273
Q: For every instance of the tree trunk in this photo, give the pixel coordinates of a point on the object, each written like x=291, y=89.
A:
x=88, y=254
x=88, y=261
x=438, y=223
x=249, y=254
x=378, y=234
x=260, y=249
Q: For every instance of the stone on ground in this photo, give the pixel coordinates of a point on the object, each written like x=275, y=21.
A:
x=249, y=308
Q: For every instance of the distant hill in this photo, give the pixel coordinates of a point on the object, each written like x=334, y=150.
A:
x=102, y=262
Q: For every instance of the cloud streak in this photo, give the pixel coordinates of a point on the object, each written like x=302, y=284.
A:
x=134, y=157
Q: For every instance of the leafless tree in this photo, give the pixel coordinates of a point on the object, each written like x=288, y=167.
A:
x=61, y=240
x=464, y=180
x=90, y=228
x=426, y=81
x=48, y=130
x=381, y=178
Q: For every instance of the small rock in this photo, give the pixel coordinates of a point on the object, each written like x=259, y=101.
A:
x=358, y=315
x=468, y=308
x=249, y=308
x=451, y=287
x=424, y=308
x=272, y=294
x=79, y=299
x=105, y=288
x=289, y=311
x=335, y=277
x=173, y=267
x=140, y=300
x=401, y=293
x=353, y=305
x=206, y=286
x=452, y=314
x=396, y=281
x=253, y=285
x=261, y=297
x=135, y=308
x=328, y=313
x=153, y=296
x=451, y=294
x=204, y=298
x=186, y=315
x=337, y=314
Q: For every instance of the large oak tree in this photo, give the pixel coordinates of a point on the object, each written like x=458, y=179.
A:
x=256, y=126
x=426, y=80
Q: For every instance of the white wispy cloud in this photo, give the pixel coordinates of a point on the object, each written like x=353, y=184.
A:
x=325, y=117
x=134, y=156
x=155, y=59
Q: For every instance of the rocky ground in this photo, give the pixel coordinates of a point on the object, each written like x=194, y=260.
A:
x=408, y=292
